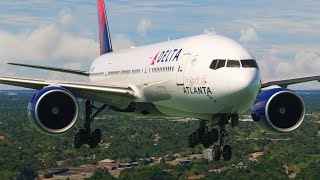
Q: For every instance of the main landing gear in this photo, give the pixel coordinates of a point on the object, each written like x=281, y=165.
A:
x=208, y=138
x=84, y=136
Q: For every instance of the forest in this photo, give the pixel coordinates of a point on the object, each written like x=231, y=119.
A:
x=25, y=151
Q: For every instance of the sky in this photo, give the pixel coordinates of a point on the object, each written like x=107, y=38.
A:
x=283, y=36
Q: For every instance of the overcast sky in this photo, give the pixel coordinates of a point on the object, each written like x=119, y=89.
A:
x=284, y=36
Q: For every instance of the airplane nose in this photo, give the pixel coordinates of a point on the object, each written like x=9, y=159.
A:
x=249, y=81
x=246, y=90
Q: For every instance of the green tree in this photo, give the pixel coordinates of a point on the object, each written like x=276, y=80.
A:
x=101, y=174
x=145, y=172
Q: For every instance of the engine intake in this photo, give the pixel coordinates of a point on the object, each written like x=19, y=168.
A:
x=278, y=110
x=53, y=110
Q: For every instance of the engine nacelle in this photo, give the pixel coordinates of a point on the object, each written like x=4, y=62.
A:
x=53, y=110
x=278, y=110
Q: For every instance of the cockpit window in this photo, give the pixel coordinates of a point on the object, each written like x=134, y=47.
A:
x=217, y=63
x=249, y=63
x=233, y=63
x=221, y=63
x=213, y=65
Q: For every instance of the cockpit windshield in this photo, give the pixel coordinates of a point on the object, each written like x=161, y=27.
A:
x=217, y=64
x=245, y=63
x=249, y=63
x=233, y=63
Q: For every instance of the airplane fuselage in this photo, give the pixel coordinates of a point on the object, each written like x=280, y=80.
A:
x=179, y=79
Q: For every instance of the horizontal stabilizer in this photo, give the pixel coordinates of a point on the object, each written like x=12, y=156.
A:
x=70, y=71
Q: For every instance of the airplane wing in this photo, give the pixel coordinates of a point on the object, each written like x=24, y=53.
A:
x=284, y=83
x=100, y=93
x=70, y=71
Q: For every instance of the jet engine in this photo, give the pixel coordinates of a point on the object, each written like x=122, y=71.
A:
x=53, y=110
x=278, y=110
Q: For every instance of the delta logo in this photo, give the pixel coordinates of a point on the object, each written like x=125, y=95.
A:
x=166, y=56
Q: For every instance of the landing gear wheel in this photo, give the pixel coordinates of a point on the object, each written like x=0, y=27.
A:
x=79, y=139
x=214, y=135
x=201, y=132
x=226, y=152
x=206, y=141
x=95, y=138
x=84, y=136
x=216, y=152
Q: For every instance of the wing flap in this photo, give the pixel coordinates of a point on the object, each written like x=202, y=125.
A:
x=70, y=71
x=286, y=82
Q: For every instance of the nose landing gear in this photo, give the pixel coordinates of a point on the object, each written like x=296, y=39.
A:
x=222, y=149
x=84, y=136
x=208, y=138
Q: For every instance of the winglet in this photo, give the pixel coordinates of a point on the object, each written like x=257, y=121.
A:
x=104, y=33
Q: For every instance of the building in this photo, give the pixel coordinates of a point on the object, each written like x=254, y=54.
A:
x=60, y=163
x=134, y=164
x=240, y=165
x=110, y=166
x=207, y=154
x=219, y=170
x=196, y=177
x=184, y=162
x=115, y=173
x=256, y=154
x=125, y=165
x=253, y=160
x=85, y=168
x=109, y=163
x=146, y=160
x=177, y=155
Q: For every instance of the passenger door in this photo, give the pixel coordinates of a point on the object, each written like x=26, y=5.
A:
x=181, y=68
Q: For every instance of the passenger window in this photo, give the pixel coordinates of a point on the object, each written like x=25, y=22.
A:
x=214, y=64
x=221, y=64
x=233, y=63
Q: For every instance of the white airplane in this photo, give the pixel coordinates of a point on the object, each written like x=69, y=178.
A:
x=208, y=77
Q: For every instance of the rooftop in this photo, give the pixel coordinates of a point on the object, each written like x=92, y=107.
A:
x=107, y=161
x=196, y=177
